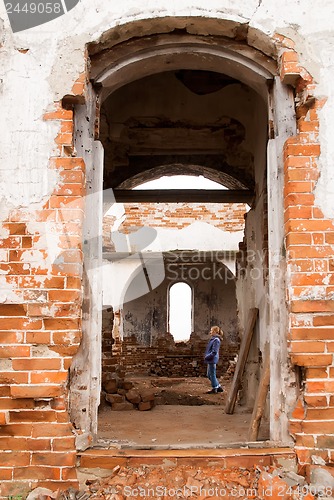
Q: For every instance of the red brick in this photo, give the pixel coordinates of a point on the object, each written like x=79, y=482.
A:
x=29, y=391
x=308, y=126
x=317, y=428
x=72, y=202
x=65, y=295
x=38, y=337
x=36, y=472
x=67, y=269
x=312, y=306
x=14, y=351
x=14, y=458
x=5, y=474
x=320, y=386
x=26, y=242
x=76, y=176
x=300, y=266
x=63, y=444
x=58, y=485
x=68, y=473
x=10, y=242
x=37, y=364
x=13, y=443
x=302, y=279
x=315, y=401
x=312, y=334
x=18, y=269
x=59, y=114
x=32, y=416
x=15, y=404
x=17, y=430
x=67, y=338
x=320, y=414
x=312, y=359
x=12, y=310
x=302, y=150
x=68, y=163
x=289, y=56
x=298, y=239
x=42, y=444
x=316, y=373
x=61, y=324
x=19, y=323
x=52, y=459
x=329, y=238
x=11, y=337
x=318, y=239
x=54, y=377
x=70, y=189
x=52, y=431
x=307, y=347
x=13, y=378
x=309, y=252
x=304, y=440
x=73, y=283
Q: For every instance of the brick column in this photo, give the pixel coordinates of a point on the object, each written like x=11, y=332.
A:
x=309, y=240
x=40, y=327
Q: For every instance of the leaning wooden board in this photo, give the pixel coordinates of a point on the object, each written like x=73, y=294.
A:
x=242, y=358
x=261, y=397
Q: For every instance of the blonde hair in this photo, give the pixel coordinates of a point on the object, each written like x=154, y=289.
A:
x=215, y=329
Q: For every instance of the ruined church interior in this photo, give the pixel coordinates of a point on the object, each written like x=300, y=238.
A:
x=212, y=242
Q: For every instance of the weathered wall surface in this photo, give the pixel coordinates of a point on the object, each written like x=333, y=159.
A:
x=41, y=208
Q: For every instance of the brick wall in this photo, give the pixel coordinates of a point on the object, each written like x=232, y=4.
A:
x=41, y=317
x=164, y=358
x=40, y=327
x=227, y=217
x=309, y=244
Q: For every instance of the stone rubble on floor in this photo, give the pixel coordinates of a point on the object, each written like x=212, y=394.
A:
x=198, y=482
x=123, y=395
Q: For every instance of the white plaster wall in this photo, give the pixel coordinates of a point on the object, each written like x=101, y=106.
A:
x=32, y=79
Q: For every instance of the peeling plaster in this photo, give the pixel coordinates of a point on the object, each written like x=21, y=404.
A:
x=56, y=56
x=8, y=292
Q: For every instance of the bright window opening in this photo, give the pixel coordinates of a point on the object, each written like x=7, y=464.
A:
x=181, y=182
x=180, y=311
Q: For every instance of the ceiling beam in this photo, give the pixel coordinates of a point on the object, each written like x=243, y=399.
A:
x=183, y=195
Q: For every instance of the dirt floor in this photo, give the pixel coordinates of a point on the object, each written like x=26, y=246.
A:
x=184, y=416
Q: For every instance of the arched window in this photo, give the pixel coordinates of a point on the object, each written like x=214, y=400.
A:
x=180, y=311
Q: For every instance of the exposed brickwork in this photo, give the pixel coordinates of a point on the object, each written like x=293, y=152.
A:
x=40, y=321
x=227, y=217
x=309, y=239
x=41, y=329
x=165, y=358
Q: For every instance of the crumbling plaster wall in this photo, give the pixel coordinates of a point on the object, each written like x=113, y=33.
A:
x=60, y=46
x=39, y=67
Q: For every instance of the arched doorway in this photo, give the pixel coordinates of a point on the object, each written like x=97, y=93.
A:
x=231, y=149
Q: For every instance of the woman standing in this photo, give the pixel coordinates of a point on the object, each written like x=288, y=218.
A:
x=211, y=357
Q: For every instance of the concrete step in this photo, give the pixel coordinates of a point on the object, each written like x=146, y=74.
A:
x=224, y=458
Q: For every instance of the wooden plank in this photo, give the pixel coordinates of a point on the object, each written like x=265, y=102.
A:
x=242, y=358
x=261, y=397
x=183, y=195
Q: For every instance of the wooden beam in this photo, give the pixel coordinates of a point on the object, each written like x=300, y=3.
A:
x=242, y=358
x=183, y=195
x=261, y=397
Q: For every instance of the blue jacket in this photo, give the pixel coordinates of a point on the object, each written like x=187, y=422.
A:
x=211, y=355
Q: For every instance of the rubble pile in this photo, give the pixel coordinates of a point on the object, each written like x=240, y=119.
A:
x=124, y=395
x=198, y=482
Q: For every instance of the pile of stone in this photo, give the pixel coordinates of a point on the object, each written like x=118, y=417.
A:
x=123, y=395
